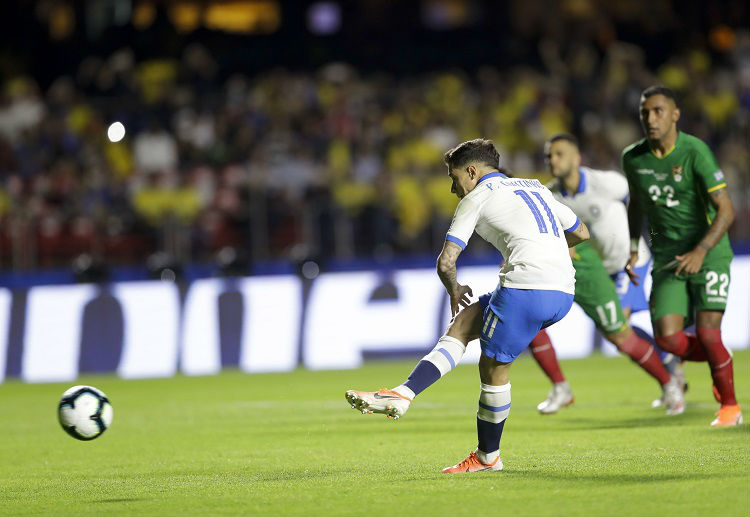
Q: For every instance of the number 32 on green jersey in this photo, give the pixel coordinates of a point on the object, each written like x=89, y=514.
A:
x=655, y=192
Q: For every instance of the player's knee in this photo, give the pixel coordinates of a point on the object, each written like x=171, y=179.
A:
x=461, y=331
x=491, y=371
x=620, y=338
x=467, y=324
x=676, y=343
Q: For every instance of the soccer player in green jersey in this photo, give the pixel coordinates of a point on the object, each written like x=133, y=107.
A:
x=675, y=181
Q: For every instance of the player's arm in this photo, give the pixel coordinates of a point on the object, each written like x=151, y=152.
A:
x=446, y=270
x=709, y=176
x=577, y=234
x=635, y=223
x=574, y=229
x=461, y=230
x=692, y=261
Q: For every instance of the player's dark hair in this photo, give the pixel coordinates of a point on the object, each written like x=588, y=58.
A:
x=566, y=137
x=478, y=150
x=659, y=89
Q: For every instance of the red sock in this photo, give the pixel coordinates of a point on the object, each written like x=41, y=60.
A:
x=544, y=353
x=683, y=345
x=720, y=362
x=644, y=354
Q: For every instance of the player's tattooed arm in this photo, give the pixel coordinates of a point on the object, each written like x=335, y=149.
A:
x=577, y=236
x=692, y=261
x=724, y=217
x=446, y=270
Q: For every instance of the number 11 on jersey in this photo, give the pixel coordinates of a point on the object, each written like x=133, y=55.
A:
x=537, y=214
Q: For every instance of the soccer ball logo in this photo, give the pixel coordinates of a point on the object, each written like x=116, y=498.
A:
x=84, y=412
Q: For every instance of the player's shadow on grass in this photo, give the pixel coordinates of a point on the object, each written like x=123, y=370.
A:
x=598, y=477
x=299, y=475
x=119, y=500
x=588, y=424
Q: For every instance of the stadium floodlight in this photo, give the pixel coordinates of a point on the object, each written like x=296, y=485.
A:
x=116, y=132
x=324, y=18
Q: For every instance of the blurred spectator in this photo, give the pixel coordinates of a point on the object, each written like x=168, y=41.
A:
x=155, y=150
x=332, y=162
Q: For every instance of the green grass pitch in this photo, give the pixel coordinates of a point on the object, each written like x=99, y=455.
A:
x=288, y=444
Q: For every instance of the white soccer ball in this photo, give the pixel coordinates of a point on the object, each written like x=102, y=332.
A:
x=84, y=412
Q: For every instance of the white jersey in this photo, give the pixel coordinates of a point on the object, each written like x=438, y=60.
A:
x=601, y=203
x=522, y=219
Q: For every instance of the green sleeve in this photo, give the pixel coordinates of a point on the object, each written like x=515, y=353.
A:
x=707, y=169
x=625, y=165
x=626, y=162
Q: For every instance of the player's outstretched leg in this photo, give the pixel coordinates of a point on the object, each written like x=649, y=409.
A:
x=394, y=403
x=442, y=359
x=560, y=395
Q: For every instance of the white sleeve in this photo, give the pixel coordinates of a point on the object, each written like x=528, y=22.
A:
x=464, y=221
x=616, y=186
x=568, y=219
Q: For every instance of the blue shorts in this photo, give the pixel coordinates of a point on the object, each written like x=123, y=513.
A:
x=512, y=317
x=632, y=296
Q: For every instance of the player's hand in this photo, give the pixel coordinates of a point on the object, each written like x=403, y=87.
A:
x=461, y=297
x=691, y=262
x=635, y=278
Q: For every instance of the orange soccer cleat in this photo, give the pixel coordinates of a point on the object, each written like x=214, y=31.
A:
x=473, y=464
x=728, y=415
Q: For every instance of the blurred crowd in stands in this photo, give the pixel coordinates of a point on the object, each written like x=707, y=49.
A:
x=335, y=163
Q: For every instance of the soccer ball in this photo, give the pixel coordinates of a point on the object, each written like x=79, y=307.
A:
x=84, y=412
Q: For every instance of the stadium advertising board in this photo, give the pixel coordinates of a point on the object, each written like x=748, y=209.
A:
x=264, y=323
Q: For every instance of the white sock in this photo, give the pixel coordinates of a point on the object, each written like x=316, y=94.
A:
x=446, y=354
x=494, y=407
x=405, y=391
x=444, y=357
x=488, y=457
x=494, y=403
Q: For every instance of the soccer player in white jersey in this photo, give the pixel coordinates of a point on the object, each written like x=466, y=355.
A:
x=599, y=198
x=533, y=231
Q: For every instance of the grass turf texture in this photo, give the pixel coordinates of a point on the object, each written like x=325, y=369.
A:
x=288, y=444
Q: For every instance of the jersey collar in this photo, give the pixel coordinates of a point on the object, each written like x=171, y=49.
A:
x=495, y=174
x=581, y=184
x=679, y=133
